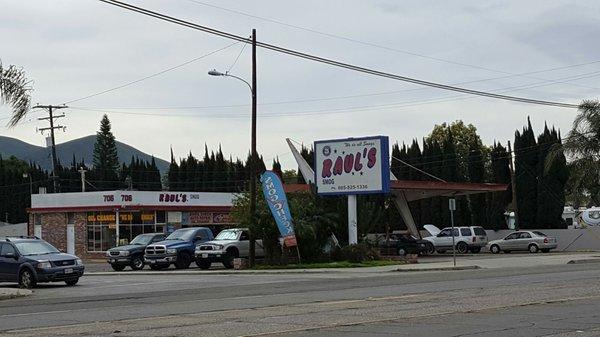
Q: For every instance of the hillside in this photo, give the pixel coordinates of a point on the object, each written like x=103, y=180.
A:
x=82, y=148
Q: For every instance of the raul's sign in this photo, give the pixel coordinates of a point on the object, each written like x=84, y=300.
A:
x=277, y=201
x=352, y=165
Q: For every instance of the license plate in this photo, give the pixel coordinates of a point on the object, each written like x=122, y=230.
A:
x=68, y=270
x=204, y=256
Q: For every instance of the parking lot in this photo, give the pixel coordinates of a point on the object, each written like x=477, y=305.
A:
x=547, y=296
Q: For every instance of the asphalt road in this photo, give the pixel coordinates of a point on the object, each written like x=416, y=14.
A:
x=561, y=300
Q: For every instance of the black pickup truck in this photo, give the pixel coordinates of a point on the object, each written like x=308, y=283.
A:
x=132, y=255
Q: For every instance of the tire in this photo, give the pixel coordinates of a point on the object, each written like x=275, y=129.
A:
x=72, y=282
x=462, y=248
x=27, y=279
x=429, y=248
x=495, y=249
x=402, y=252
x=137, y=262
x=158, y=266
x=228, y=258
x=533, y=248
x=475, y=250
x=183, y=261
x=117, y=267
x=546, y=250
x=203, y=264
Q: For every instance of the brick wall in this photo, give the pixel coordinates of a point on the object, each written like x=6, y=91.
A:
x=54, y=230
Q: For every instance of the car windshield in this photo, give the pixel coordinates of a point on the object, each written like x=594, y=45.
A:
x=181, y=234
x=227, y=235
x=539, y=233
x=35, y=248
x=143, y=239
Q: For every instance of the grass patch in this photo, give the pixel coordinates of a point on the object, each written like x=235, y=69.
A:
x=339, y=264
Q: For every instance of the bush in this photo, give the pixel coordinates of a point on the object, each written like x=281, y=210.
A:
x=357, y=253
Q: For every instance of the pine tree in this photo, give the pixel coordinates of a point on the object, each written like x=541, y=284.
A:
x=106, y=160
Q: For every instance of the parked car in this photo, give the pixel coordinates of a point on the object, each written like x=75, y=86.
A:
x=178, y=248
x=532, y=241
x=227, y=245
x=466, y=239
x=29, y=261
x=132, y=255
x=402, y=244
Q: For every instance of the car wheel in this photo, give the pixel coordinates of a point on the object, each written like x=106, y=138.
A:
x=495, y=249
x=183, y=261
x=72, y=282
x=533, y=248
x=228, y=259
x=429, y=248
x=546, y=250
x=401, y=252
x=158, y=266
x=137, y=263
x=117, y=267
x=27, y=279
x=203, y=264
x=462, y=248
x=475, y=250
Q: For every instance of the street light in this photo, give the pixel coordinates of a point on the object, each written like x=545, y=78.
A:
x=253, y=155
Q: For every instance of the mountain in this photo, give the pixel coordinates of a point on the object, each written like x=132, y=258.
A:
x=82, y=148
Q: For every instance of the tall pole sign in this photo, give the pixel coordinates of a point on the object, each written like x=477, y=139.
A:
x=452, y=207
x=352, y=166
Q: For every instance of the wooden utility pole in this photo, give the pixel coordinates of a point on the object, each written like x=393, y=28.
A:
x=51, y=117
x=253, y=164
x=513, y=185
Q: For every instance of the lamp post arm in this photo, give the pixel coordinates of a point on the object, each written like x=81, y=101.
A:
x=243, y=80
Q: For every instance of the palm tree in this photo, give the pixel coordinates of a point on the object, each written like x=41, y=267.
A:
x=583, y=148
x=14, y=91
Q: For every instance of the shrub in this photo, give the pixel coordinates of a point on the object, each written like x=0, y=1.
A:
x=358, y=253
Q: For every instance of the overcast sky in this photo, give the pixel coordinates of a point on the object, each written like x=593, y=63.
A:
x=74, y=48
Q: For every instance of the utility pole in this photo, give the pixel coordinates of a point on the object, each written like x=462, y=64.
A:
x=252, y=246
x=513, y=185
x=51, y=117
x=82, y=171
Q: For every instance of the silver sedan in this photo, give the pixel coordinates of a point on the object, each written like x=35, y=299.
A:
x=532, y=241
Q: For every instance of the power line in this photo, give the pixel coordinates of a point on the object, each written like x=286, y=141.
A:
x=345, y=38
x=334, y=62
x=150, y=76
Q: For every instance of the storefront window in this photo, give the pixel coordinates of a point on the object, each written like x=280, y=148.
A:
x=102, y=228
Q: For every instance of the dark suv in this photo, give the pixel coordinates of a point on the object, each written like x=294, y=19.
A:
x=29, y=260
x=132, y=255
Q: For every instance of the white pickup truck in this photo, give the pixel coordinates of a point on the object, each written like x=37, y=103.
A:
x=227, y=245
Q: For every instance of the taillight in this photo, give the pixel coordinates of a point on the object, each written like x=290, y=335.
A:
x=545, y=240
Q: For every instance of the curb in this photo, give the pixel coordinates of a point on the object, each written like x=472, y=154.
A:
x=195, y=272
x=9, y=293
x=584, y=261
x=437, y=269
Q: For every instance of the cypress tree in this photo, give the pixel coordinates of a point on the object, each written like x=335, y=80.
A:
x=552, y=178
x=500, y=173
x=526, y=165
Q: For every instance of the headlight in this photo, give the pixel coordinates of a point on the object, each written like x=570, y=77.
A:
x=107, y=253
x=171, y=251
x=197, y=248
x=124, y=253
x=78, y=262
x=218, y=247
x=44, y=265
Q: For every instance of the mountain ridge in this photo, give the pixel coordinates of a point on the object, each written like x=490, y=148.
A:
x=82, y=148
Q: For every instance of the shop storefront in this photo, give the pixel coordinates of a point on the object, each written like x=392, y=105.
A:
x=89, y=223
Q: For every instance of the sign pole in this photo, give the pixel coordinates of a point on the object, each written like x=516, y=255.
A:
x=452, y=206
x=352, y=220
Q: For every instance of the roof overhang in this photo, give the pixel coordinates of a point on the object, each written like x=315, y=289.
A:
x=417, y=190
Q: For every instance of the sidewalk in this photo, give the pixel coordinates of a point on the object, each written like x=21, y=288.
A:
x=428, y=264
x=8, y=293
